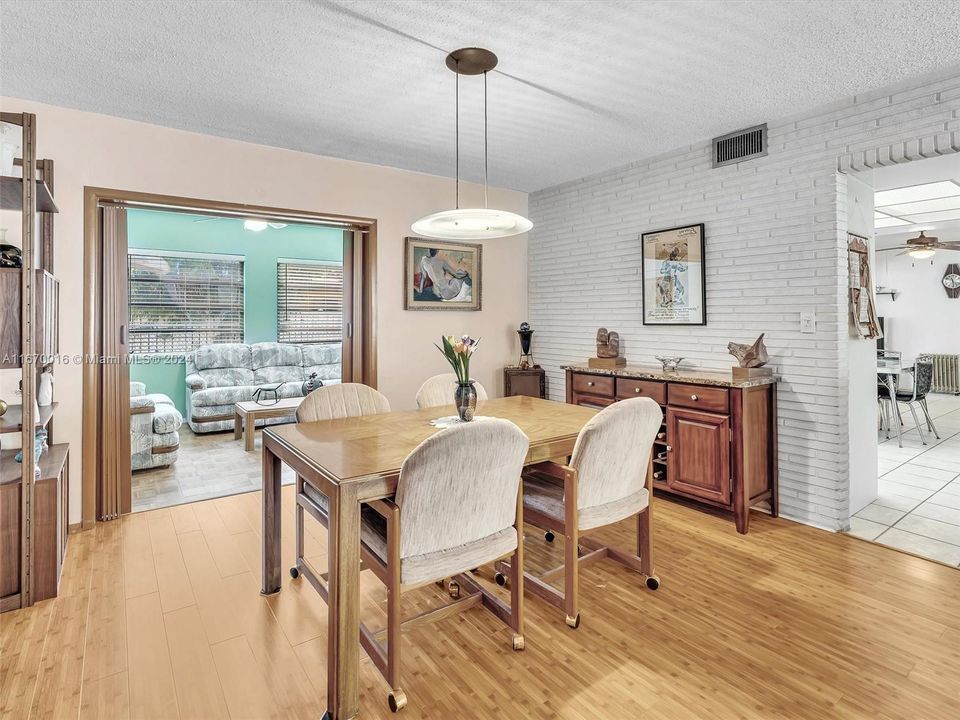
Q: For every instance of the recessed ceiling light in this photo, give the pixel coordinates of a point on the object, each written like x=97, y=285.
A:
x=936, y=216
x=254, y=225
x=887, y=221
x=923, y=206
x=914, y=193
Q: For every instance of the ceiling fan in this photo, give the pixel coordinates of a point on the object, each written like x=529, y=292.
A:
x=923, y=246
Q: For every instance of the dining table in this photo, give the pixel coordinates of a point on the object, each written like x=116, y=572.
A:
x=355, y=460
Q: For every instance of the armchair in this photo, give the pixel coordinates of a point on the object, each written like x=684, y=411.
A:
x=154, y=429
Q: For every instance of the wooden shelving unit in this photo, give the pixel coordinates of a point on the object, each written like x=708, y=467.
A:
x=33, y=511
x=12, y=420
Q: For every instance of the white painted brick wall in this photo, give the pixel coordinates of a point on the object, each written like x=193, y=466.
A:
x=775, y=245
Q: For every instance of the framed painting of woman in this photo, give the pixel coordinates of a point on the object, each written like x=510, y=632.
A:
x=441, y=275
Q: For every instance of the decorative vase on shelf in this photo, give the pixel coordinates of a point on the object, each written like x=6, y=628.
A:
x=465, y=398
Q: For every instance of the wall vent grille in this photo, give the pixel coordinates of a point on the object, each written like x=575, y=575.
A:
x=740, y=145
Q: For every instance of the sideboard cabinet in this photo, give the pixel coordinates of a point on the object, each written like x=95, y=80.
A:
x=718, y=442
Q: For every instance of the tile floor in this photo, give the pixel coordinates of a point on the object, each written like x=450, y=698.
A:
x=918, y=508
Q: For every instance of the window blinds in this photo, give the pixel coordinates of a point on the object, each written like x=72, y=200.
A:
x=179, y=302
x=309, y=303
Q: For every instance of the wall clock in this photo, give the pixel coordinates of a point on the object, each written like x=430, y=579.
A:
x=951, y=280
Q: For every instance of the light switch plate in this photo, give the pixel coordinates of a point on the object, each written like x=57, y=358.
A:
x=808, y=322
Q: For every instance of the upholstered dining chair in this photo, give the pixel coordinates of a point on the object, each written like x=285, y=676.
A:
x=457, y=506
x=329, y=402
x=340, y=401
x=439, y=389
x=609, y=479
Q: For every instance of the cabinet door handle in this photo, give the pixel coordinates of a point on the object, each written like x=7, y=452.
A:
x=589, y=383
x=669, y=448
x=637, y=390
x=694, y=397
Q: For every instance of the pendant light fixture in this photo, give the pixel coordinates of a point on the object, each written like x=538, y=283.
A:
x=471, y=223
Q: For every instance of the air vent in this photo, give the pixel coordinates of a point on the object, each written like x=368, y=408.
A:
x=740, y=145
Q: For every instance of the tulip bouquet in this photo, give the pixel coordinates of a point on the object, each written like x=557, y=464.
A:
x=458, y=352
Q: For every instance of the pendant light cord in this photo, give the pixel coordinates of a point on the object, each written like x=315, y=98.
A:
x=486, y=160
x=457, y=134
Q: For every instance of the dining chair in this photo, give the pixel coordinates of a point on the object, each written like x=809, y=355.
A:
x=609, y=478
x=922, y=372
x=329, y=402
x=339, y=401
x=457, y=506
x=439, y=389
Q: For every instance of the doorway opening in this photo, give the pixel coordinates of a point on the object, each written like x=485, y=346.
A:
x=214, y=320
x=915, y=505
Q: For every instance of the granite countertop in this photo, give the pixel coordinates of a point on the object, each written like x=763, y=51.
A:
x=700, y=377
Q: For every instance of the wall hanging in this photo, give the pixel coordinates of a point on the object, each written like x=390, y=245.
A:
x=674, y=285
x=863, y=313
x=441, y=275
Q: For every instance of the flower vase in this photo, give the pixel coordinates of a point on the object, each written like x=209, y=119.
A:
x=465, y=399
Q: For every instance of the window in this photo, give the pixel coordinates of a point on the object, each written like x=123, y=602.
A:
x=179, y=301
x=309, y=302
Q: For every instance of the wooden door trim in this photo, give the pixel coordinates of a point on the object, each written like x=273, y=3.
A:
x=364, y=316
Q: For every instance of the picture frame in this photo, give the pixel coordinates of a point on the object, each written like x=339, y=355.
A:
x=442, y=275
x=673, y=277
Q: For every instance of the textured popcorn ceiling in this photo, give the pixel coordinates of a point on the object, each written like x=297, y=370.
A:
x=584, y=86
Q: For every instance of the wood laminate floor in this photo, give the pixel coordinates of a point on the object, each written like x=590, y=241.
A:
x=159, y=616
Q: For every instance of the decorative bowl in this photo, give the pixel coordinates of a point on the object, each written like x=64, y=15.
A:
x=669, y=362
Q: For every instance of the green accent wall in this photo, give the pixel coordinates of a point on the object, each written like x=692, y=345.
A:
x=180, y=232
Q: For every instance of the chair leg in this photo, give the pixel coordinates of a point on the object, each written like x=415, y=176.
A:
x=571, y=578
x=898, y=418
x=645, y=548
x=295, y=570
x=397, y=698
x=916, y=421
x=886, y=417
x=926, y=414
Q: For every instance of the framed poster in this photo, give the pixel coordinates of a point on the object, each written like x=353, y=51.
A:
x=674, y=287
x=441, y=275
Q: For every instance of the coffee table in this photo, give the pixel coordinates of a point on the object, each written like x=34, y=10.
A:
x=246, y=414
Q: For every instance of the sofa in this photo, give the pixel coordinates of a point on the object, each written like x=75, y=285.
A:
x=154, y=429
x=223, y=374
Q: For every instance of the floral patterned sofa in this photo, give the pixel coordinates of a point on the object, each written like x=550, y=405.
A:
x=220, y=375
x=154, y=426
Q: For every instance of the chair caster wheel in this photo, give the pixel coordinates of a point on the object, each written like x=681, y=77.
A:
x=573, y=622
x=518, y=642
x=397, y=700
x=549, y=536
x=653, y=582
x=501, y=579
x=294, y=572
x=453, y=590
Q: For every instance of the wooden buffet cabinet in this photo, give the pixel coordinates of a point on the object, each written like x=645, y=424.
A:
x=718, y=443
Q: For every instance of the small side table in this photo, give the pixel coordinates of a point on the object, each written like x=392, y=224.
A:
x=525, y=381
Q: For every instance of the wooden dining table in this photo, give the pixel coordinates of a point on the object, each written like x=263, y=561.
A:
x=354, y=460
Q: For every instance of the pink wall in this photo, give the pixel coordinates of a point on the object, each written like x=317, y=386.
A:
x=97, y=150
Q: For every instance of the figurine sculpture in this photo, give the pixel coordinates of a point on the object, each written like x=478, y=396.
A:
x=608, y=343
x=750, y=357
x=608, y=350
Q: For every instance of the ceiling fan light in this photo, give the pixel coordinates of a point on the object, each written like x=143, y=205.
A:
x=471, y=224
x=921, y=253
x=254, y=225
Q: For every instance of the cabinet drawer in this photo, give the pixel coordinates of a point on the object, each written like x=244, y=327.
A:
x=699, y=397
x=627, y=388
x=593, y=385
